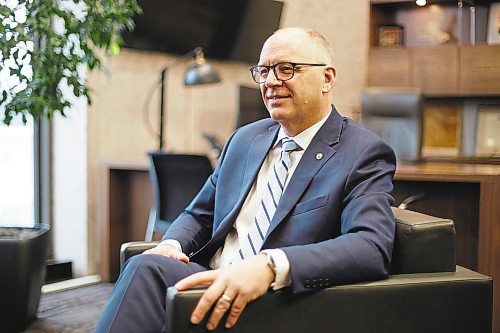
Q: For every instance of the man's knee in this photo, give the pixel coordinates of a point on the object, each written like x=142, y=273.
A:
x=147, y=266
x=147, y=263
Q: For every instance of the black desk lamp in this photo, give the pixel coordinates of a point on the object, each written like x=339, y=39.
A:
x=199, y=73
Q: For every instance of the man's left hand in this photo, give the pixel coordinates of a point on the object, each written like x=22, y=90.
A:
x=231, y=288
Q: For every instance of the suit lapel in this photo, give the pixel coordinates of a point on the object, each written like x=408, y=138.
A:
x=255, y=157
x=320, y=150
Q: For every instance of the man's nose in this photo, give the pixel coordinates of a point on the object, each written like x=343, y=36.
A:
x=272, y=80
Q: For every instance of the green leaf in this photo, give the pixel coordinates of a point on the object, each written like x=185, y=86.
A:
x=55, y=55
x=115, y=48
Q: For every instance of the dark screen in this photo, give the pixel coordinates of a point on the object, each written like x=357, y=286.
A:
x=226, y=29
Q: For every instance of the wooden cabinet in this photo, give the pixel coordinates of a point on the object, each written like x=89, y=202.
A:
x=446, y=70
x=435, y=69
x=451, y=67
x=388, y=67
x=480, y=70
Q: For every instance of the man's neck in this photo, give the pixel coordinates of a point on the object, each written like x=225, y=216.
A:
x=295, y=129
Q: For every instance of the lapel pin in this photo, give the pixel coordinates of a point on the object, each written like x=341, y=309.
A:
x=319, y=156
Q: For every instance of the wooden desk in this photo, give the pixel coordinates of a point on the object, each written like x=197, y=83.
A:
x=467, y=193
x=470, y=195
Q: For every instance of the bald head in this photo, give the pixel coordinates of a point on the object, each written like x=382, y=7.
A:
x=320, y=43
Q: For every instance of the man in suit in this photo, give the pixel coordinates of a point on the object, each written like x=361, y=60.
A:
x=300, y=201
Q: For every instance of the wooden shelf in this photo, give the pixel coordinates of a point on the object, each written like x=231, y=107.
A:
x=480, y=69
x=445, y=70
x=429, y=2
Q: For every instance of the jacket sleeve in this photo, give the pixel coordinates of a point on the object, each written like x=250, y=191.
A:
x=362, y=251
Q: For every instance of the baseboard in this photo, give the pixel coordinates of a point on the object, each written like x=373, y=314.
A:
x=71, y=284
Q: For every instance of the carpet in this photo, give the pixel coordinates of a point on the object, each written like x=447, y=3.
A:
x=75, y=310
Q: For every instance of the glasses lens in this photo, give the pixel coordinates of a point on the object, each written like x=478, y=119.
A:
x=284, y=71
x=259, y=73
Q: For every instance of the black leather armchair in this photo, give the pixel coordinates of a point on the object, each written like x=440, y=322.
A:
x=426, y=292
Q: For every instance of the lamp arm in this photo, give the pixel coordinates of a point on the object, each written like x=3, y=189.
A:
x=163, y=85
x=182, y=58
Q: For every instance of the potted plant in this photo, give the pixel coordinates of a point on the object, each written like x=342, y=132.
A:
x=23, y=252
x=46, y=44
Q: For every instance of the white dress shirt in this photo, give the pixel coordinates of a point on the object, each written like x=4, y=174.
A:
x=244, y=220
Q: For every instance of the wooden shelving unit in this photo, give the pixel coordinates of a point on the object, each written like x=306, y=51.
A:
x=455, y=77
x=452, y=76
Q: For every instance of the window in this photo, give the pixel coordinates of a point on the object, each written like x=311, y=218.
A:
x=17, y=174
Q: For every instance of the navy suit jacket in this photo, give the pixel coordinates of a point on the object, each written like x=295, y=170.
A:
x=334, y=220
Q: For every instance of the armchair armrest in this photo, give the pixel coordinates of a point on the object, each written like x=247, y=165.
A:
x=423, y=243
x=131, y=249
x=459, y=302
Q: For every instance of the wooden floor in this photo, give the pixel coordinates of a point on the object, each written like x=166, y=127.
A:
x=76, y=310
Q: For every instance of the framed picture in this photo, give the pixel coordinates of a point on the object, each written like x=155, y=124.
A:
x=488, y=130
x=494, y=24
x=390, y=35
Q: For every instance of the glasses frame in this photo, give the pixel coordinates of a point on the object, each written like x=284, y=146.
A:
x=273, y=67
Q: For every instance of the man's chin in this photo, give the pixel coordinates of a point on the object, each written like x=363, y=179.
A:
x=279, y=113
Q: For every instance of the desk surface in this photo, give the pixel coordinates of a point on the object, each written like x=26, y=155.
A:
x=447, y=171
x=424, y=169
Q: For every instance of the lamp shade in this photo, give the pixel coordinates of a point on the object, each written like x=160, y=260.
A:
x=200, y=74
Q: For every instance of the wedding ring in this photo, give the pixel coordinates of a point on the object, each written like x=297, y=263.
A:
x=226, y=298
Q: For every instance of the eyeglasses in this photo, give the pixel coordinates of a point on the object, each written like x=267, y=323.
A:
x=283, y=71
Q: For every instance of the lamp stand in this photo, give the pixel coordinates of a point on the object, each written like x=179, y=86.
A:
x=163, y=85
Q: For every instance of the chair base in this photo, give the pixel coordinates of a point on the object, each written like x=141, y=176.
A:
x=458, y=301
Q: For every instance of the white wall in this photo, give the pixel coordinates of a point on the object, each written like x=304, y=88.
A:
x=69, y=174
x=70, y=187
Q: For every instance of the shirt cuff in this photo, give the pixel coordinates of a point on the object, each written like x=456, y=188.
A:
x=172, y=242
x=282, y=278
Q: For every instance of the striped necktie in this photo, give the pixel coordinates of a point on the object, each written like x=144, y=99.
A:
x=251, y=244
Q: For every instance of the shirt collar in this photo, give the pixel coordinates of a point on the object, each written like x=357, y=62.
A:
x=304, y=138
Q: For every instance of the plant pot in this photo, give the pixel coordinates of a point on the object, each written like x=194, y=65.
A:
x=23, y=254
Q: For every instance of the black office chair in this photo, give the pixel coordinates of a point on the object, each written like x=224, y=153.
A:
x=175, y=180
x=396, y=115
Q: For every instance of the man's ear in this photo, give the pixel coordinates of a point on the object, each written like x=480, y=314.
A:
x=329, y=75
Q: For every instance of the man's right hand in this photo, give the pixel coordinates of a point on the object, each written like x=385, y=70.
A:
x=168, y=250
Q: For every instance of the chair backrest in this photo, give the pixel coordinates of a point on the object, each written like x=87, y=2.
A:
x=175, y=180
x=396, y=115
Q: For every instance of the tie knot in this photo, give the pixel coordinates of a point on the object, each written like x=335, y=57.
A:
x=288, y=145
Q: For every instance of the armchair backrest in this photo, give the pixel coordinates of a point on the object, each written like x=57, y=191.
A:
x=396, y=115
